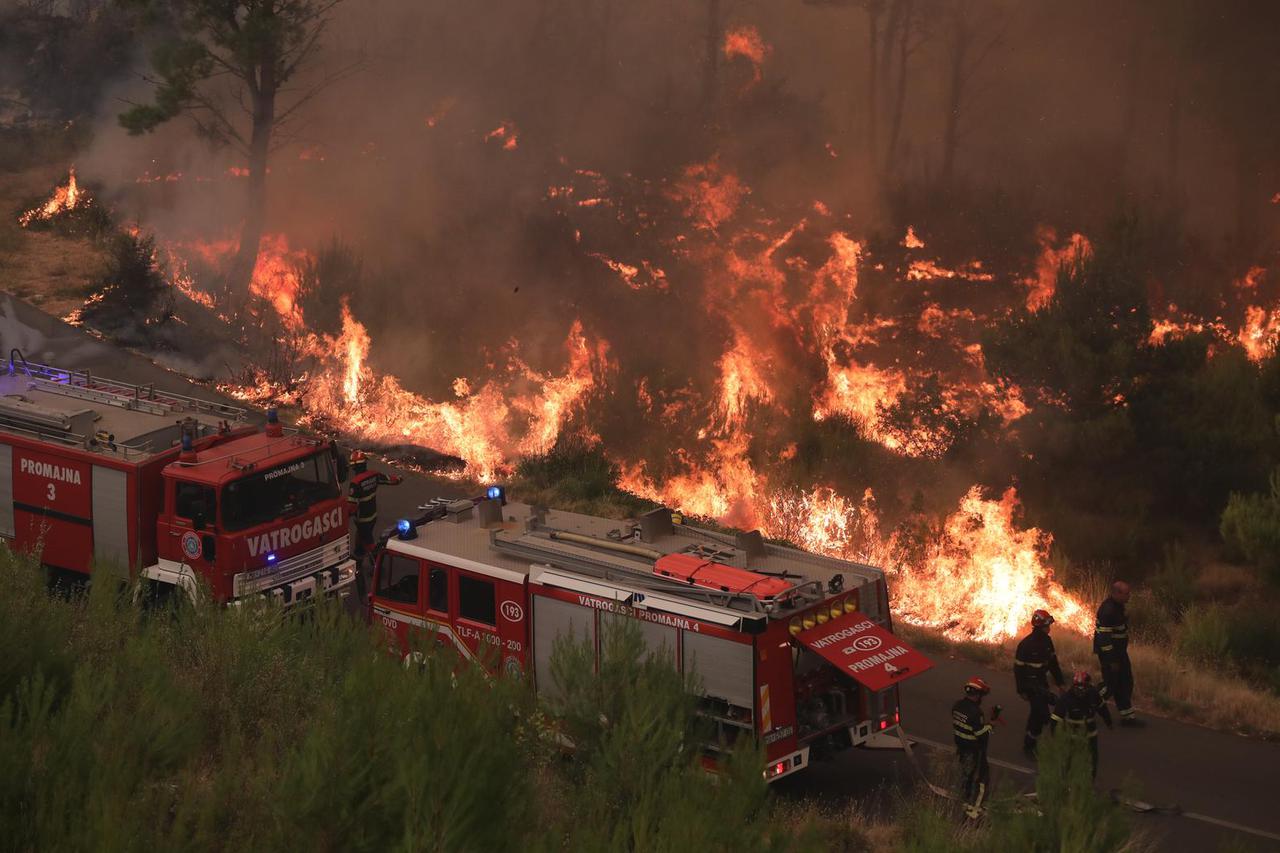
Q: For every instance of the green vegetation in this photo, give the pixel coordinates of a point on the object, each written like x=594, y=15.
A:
x=133, y=300
x=1251, y=528
x=186, y=727
x=1141, y=443
x=575, y=475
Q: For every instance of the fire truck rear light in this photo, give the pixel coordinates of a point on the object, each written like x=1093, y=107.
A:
x=850, y=605
x=884, y=724
x=895, y=717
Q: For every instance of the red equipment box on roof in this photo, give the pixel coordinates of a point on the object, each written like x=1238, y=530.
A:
x=705, y=573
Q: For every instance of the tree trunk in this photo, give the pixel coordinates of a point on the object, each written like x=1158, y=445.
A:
x=1129, y=117
x=264, y=118
x=1173, y=153
x=711, y=70
x=900, y=89
x=874, y=9
x=955, y=97
x=1248, y=199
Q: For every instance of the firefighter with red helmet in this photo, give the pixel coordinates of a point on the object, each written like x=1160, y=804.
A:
x=971, y=729
x=362, y=494
x=1034, y=661
x=1111, y=645
x=1078, y=710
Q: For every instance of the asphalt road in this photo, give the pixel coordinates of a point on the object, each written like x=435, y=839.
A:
x=1231, y=784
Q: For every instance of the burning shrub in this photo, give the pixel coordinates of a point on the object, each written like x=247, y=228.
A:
x=575, y=474
x=325, y=279
x=133, y=300
x=69, y=210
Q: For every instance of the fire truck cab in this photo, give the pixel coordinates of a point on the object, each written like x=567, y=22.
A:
x=788, y=647
x=101, y=475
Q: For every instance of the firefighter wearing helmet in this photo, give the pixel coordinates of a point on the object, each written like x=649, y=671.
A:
x=972, y=730
x=362, y=494
x=1078, y=710
x=1034, y=661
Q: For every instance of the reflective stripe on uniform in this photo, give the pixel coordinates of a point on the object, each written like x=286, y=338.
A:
x=1017, y=662
x=964, y=735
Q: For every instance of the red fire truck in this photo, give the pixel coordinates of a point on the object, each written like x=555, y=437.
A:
x=788, y=647
x=106, y=476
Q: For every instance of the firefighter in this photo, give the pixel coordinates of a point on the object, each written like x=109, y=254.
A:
x=1111, y=645
x=1033, y=662
x=363, y=497
x=1078, y=709
x=971, y=729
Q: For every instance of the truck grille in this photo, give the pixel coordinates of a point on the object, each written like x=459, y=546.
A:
x=297, y=566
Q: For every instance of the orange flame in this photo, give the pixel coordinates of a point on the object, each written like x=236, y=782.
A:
x=1041, y=287
x=978, y=578
x=506, y=133
x=64, y=198
x=911, y=241
x=488, y=428
x=1260, y=332
x=745, y=42
x=925, y=270
x=709, y=194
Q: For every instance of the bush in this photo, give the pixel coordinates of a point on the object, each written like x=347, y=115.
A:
x=132, y=301
x=1173, y=585
x=200, y=728
x=325, y=281
x=1205, y=633
x=1068, y=814
x=1251, y=528
x=575, y=475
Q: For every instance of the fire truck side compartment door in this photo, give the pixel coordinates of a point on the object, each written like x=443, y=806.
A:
x=6, y=491
x=659, y=640
x=111, y=520
x=864, y=651
x=553, y=618
x=725, y=669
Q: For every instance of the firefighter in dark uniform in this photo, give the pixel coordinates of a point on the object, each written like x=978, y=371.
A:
x=1111, y=645
x=971, y=729
x=362, y=494
x=1034, y=661
x=1078, y=710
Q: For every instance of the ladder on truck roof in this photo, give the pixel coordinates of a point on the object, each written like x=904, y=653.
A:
x=633, y=565
x=113, y=392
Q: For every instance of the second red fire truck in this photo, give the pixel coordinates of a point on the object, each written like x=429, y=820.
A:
x=791, y=648
x=106, y=476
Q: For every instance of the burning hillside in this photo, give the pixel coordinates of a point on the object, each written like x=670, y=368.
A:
x=749, y=282
x=796, y=341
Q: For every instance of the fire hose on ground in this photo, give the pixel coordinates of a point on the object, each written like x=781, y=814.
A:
x=1117, y=797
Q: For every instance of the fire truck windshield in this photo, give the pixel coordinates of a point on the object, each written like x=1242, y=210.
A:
x=278, y=492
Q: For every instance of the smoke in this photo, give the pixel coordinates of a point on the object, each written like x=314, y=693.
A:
x=501, y=167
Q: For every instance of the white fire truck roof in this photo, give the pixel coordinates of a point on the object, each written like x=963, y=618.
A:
x=507, y=541
x=79, y=409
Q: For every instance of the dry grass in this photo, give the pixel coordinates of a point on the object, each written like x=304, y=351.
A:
x=49, y=270
x=842, y=828
x=1165, y=685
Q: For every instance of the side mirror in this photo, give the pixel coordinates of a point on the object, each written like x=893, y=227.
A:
x=208, y=548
